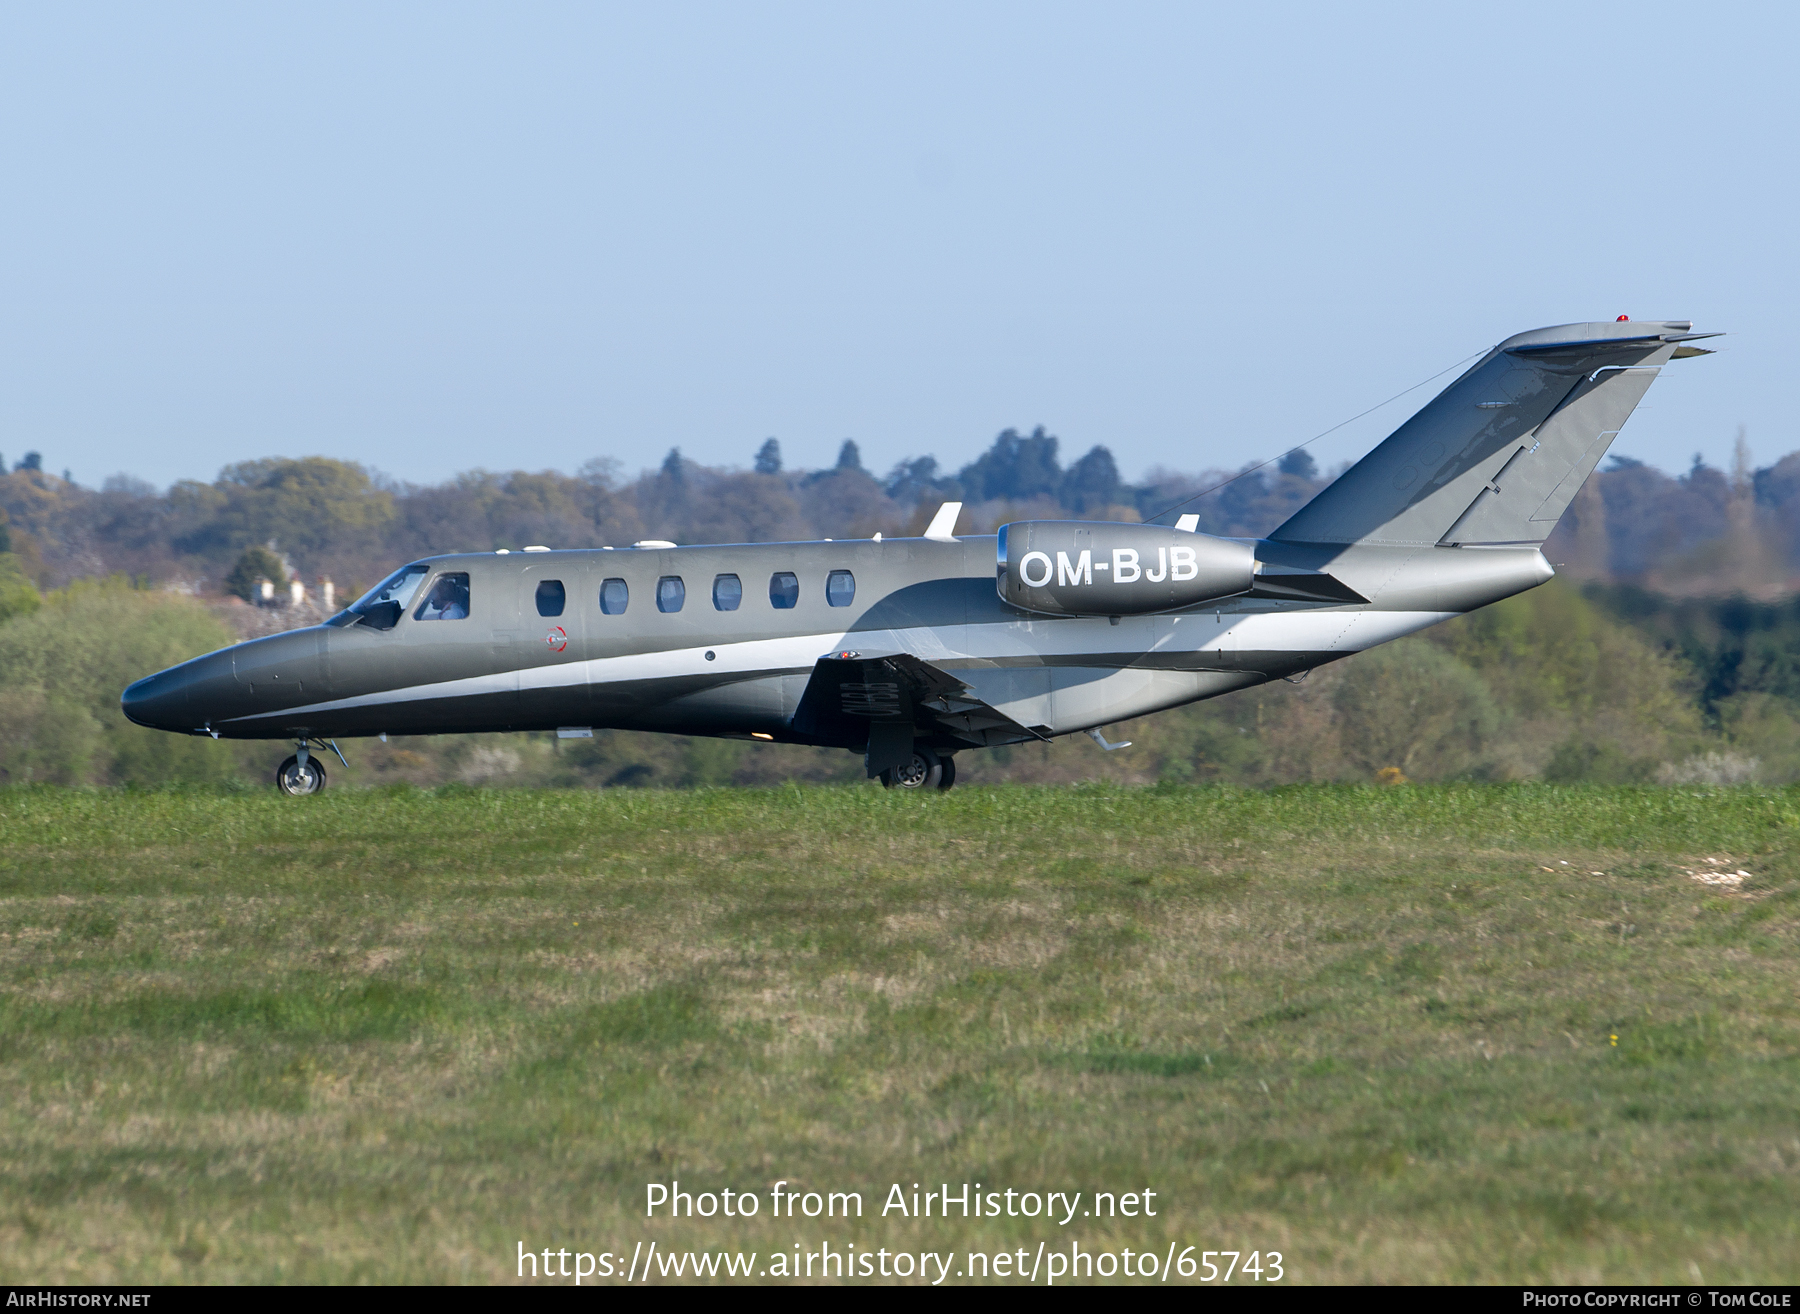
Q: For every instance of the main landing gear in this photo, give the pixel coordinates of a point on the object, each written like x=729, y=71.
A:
x=924, y=770
x=303, y=773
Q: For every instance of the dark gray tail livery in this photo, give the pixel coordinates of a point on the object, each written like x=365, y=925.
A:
x=911, y=650
x=1497, y=457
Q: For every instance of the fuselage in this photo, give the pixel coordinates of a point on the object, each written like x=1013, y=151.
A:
x=540, y=648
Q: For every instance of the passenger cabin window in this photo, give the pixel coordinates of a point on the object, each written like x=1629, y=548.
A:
x=728, y=592
x=615, y=596
x=784, y=590
x=447, y=600
x=550, y=597
x=671, y=593
x=840, y=588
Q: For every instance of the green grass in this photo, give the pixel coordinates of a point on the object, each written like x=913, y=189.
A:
x=387, y=1035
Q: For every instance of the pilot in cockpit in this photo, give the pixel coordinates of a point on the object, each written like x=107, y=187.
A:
x=448, y=599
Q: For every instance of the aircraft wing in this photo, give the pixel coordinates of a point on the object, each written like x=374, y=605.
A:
x=948, y=705
x=889, y=700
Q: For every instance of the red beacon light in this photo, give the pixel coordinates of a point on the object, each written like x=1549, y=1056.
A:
x=1623, y=319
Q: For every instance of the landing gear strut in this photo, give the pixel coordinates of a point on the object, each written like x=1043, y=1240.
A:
x=303, y=773
x=924, y=770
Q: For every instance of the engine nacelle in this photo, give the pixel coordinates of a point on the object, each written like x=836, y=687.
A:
x=1083, y=568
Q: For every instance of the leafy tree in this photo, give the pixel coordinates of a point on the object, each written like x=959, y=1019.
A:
x=1092, y=483
x=34, y=461
x=848, y=503
x=18, y=595
x=253, y=566
x=917, y=479
x=663, y=499
x=538, y=508
x=1778, y=496
x=62, y=669
x=768, y=458
x=850, y=457
x=739, y=508
x=1411, y=705
x=610, y=518
x=1577, y=681
x=1727, y=646
x=1014, y=468
x=1300, y=464
x=1651, y=518
x=1551, y=652
x=312, y=508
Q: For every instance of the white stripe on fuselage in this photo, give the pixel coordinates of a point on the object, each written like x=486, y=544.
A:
x=1313, y=630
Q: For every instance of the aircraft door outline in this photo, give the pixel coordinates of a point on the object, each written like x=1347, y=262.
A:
x=548, y=629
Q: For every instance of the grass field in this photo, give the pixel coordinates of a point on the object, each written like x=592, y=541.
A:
x=380, y=1036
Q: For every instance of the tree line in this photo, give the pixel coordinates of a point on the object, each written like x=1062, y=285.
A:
x=1705, y=530
x=1668, y=651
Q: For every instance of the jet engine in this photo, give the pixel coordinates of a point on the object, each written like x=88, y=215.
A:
x=1085, y=568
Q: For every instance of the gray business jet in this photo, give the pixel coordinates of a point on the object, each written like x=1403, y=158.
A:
x=909, y=650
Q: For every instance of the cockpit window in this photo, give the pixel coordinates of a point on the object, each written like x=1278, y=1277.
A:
x=550, y=597
x=381, y=607
x=447, y=599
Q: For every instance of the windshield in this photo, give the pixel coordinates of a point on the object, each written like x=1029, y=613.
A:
x=397, y=588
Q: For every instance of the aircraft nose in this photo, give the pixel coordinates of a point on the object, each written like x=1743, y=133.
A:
x=158, y=701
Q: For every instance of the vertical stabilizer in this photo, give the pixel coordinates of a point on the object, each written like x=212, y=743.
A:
x=1497, y=457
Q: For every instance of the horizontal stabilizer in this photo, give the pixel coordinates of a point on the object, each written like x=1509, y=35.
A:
x=1588, y=346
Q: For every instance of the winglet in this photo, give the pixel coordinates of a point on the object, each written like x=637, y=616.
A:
x=943, y=525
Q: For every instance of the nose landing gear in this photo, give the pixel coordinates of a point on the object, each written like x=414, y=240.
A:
x=296, y=777
x=924, y=770
x=303, y=773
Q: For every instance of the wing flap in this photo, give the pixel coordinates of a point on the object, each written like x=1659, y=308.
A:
x=884, y=702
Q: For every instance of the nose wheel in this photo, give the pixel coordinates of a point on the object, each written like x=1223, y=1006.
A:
x=924, y=770
x=303, y=773
x=296, y=778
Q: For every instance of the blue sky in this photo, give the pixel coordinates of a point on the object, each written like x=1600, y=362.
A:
x=434, y=237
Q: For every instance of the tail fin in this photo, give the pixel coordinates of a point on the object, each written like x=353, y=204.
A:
x=1499, y=454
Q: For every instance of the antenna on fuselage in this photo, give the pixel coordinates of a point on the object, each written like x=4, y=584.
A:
x=942, y=528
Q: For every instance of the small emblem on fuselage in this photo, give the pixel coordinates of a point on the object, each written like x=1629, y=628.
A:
x=558, y=639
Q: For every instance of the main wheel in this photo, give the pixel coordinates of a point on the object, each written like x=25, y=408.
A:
x=922, y=771
x=294, y=780
x=948, y=778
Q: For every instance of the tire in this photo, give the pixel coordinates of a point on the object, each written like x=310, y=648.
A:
x=296, y=781
x=948, y=778
x=924, y=771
